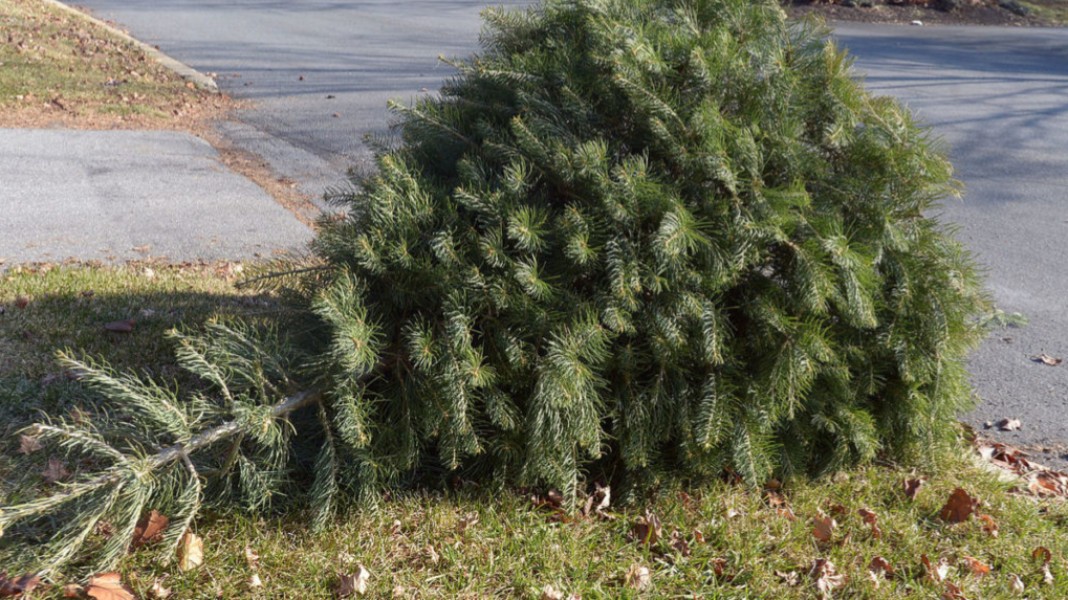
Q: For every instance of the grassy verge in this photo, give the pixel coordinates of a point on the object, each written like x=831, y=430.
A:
x=716, y=540
x=1054, y=12
x=59, y=69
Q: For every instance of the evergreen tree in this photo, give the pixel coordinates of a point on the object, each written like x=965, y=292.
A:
x=653, y=237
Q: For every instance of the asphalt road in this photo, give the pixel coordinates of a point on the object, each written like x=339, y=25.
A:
x=998, y=97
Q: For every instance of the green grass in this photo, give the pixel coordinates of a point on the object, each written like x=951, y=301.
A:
x=57, y=65
x=1053, y=11
x=511, y=549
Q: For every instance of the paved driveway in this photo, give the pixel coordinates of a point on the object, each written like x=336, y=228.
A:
x=998, y=97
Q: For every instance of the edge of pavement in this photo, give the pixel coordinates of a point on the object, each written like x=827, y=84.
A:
x=181, y=69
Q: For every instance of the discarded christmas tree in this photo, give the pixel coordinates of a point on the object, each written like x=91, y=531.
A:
x=649, y=237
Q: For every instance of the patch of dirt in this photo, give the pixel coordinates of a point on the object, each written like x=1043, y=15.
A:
x=928, y=12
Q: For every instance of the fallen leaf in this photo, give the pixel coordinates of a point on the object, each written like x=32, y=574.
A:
x=108, y=586
x=990, y=526
x=22, y=301
x=1047, y=483
x=549, y=593
x=952, y=592
x=399, y=591
x=871, y=519
x=786, y=512
x=1016, y=584
x=432, y=555
x=18, y=586
x=647, y=529
x=125, y=326
x=719, y=566
x=255, y=582
x=1047, y=360
x=395, y=528
x=912, y=487
x=638, y=577
x=158, y=592
x=55, y=471
x=28, y=444
x=190, y=551
x=878, y=569
x=149, y=529
x=679, y=543
x=351, y=585
x=73, y=590
x=598, y=501
x=1009, y=424
x=1042, y=553
x=823, y=527
x=698, y=536
x=466, y=522
x=935, y=574
x=251, y=557
x=959, y=507
x=827, y=578
x=790, y=578
x=976, y=566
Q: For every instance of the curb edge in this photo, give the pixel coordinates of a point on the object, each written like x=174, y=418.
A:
x=183, y=70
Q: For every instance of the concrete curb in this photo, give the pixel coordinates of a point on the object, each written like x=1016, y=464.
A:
x=183, y=70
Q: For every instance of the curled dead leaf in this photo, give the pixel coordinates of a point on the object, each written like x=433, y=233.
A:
x=953, y=592
x=56, y=470
x=647, y=529
x=22, y=301
x=823, y=527
x=826, y=576
x=719, y=566
x=108, y=586
x=680, y=543
x=190, y=551
x=872, y=520
x=959, y=507
x=1016, y=584
x=990, y=526
x=73, y=590
x=19, y=586
x=878, y=569
x=353, y=584
x=936, y=572
x=912, y=487
x=1009, y=424
x=1047, y=360
x=638, y=577
x=598, y=501
x=786, y=512
x=28, y=444
x=149, y=529
x=158, y=592
x=976, y=566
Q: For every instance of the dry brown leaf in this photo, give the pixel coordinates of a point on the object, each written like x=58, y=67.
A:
x=1047, y=483
x=647, y=529
x=790, y=578
x=787, y=513
x=354, y=584
x=73, y=590
x=28, y=444
x=18, y=586
x=125, y=326
x=1016, y=584
x=976, y=566
x=990, y=526
x=108, y=586
x=871, y=519
x=158, y=592
x=1042, y=553
x=719, y=566
x=466, y=522
x=827, y=578
x=149, y=529
x=190, y=551
x=1047, y=360
x=395, y=528
x=255, y=582
x=878, y=569
x=912, y=487
x=698, y=536
x=938, y=573
x=251, y=558
x=959, y=507
x=679, y=543
x=952, y=592
x=56, y=470
x=22, y=301
x=823, y=527
x=1009, y=424
x=638, y=577
x=598, y=501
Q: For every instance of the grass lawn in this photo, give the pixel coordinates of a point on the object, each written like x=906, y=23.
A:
x=1053, y=11
x=716, y=540
x=59, y=69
